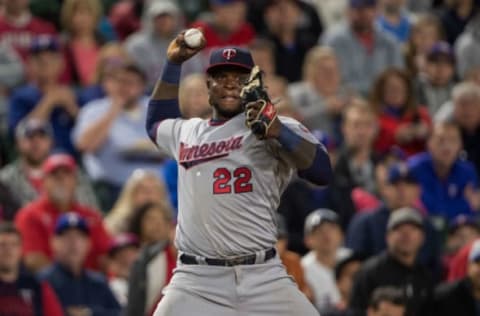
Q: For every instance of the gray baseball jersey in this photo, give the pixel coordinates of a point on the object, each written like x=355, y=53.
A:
x=229, y=183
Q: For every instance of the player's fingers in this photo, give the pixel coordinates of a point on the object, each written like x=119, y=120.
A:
x=254, y=105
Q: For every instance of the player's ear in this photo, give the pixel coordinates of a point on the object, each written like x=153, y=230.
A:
x=209, y=81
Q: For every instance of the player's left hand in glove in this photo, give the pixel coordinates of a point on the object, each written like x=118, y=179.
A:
x=261, y=116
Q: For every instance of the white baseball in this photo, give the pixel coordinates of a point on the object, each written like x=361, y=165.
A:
x=193, y=38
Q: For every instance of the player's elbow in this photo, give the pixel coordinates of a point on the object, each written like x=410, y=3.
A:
x=320, y=171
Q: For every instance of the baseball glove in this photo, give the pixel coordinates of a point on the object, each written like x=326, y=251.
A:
x=252, y=94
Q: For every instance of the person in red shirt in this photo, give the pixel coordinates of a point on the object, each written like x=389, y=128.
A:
x=402, y=122
x=18, y=27
x=228, y=25
x=36, y=221
x=21, y=293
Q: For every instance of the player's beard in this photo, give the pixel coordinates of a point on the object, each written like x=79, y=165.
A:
x=227, y=113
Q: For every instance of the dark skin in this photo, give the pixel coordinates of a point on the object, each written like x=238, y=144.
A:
x=224, y=86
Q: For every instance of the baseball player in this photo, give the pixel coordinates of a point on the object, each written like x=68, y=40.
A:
x=233, y=169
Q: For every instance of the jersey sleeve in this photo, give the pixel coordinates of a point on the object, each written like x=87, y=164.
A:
x=299, y=129
x=167, y=136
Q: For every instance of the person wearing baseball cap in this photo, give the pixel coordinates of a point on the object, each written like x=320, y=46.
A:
x=324, y=237
x=398, y=265
x=460, y=297
x=58, y=197
x=80, y=291
x=122, y=254
x=435, y=86
x=163, y=19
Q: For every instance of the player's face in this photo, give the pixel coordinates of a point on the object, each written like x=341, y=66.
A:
x=224, y=87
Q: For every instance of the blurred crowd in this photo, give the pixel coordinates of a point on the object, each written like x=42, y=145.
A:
x=391, y=87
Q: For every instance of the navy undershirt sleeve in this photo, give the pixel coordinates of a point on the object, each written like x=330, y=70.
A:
x=159, y=110
x=320, y=171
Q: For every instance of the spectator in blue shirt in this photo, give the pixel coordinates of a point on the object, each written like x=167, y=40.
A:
x=449, y=184
x=366, y=234
x=44, y=98
x=110, y=133
x=81, y=292
x=394, y=19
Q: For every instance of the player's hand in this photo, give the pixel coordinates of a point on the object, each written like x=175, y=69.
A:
x=178, y=51
x=261, y=118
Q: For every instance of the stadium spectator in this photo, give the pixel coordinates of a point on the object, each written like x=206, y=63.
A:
x=426, y=31
x=356, y=161
x=263, y=54
x=324, y=237
x=463, y=109
x=36, y=221
x=111, y=135
x=152, y=223
x=8, y=204
x=21, y=293
x=467, y=48
x=19, y=28
x=366, y=232
x=125, y=17
x=293, y=27
x=81, y=292
x=394, y=19
x=141, y=187
x=193, y=97
x=346, y=268
x=466, y=101
x=331, y=12
x=397, y=267
x=374, y=50
x=43, y=97
x=455, y=16
x=148, y=46
x=461, y=297
x=11, y=74
x=82, y=40
x=290, y=259
x=34, y=140
x=434, y=86
x=402, y=122
x=386, y=301
x=462, y=230
x=122, y=254
x=111, y=58
x=320, y=97
x=449, y=184
x=227, y=24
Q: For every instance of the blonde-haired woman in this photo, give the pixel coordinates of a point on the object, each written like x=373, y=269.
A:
x=82, y=42
x=111, y=58
x=142, y=187
x=193, y=97
x=320, y=97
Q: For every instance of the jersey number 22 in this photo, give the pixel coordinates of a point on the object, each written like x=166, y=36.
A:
x=241, y=184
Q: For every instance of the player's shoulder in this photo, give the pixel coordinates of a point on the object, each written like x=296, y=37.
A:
x=289, y=121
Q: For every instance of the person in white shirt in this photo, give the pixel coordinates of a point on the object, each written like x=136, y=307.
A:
x=324, y=237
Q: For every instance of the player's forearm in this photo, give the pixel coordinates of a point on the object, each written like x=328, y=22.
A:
x=163, y=103
x=311, y=160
